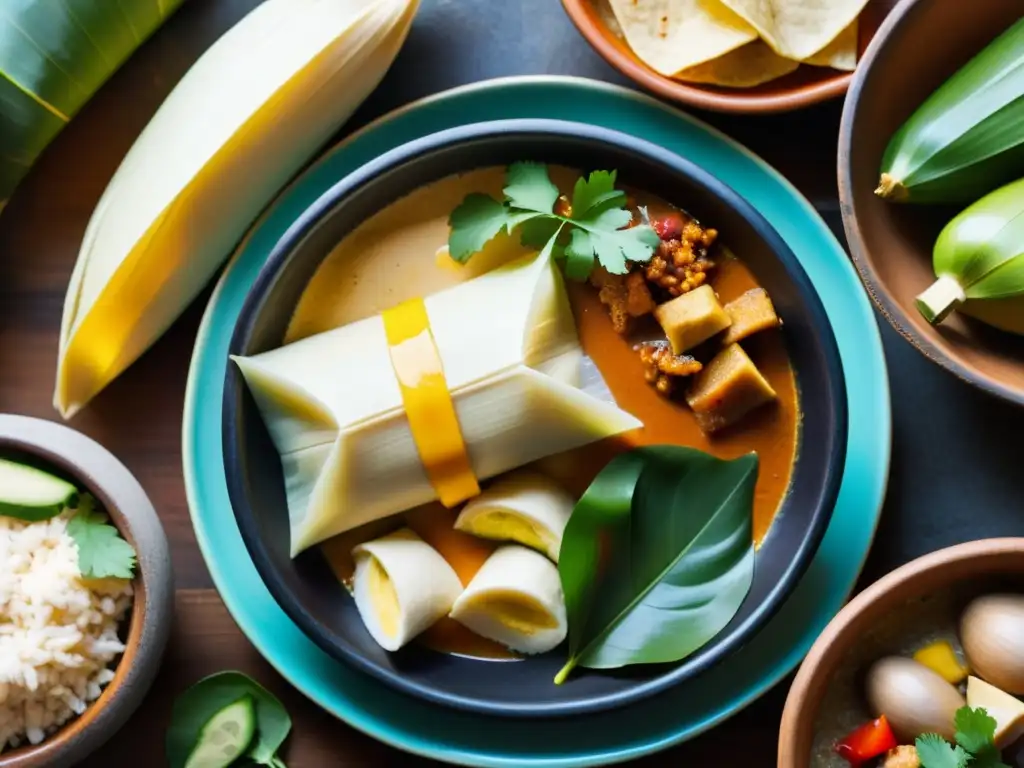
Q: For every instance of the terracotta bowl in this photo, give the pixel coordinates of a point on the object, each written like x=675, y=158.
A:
x=90, y=466
x=918, y=47
x=804, y=87
x=954, y=574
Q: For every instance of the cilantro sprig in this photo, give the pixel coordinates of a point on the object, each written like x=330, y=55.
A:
x=102, y=553
x=975, y=743
x=593, y=228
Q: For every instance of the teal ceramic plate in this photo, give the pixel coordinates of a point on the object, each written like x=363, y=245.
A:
x=622, y=734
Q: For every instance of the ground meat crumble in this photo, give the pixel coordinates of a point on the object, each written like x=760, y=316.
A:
x=662, y=368
x=679, y=264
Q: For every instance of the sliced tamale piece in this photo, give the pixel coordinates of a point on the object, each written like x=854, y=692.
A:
x=750, y=312
x=728, y=388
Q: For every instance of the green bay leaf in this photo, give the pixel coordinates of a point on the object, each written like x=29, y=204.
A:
x=657, y=557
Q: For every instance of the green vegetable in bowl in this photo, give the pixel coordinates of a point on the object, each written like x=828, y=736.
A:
x=214, y=705
x=975, y=731
x=639, y=582
x=979, y=262
x=593, y=224
x=31, y=494
x=967, y=138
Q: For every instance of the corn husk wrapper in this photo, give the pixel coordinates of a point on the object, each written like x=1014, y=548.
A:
x=249, y=114
x=53, y=57
x=333, y=407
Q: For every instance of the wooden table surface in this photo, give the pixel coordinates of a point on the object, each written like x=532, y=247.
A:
x=139, y=416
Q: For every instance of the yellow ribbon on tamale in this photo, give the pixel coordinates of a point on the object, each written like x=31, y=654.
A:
x=428, y=402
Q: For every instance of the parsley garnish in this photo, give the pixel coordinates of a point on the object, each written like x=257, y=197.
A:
x=935, y=752
x=975, y=743
x=102, y=553
x=593, y=228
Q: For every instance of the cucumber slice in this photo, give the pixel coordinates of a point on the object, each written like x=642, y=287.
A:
x=28, y=493
x=225, y=736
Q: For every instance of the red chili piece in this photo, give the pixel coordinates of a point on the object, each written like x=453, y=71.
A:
x=669, y=226
x=867, y=742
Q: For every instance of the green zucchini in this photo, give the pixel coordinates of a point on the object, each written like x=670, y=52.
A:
x=31, y=494
x=226, y=735
x=967, y=138
x=979, y=262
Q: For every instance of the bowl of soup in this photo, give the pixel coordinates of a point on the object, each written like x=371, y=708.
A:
x=532, y=418
x=925, y=665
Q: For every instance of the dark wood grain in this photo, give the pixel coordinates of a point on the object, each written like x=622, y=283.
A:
x=139, y=416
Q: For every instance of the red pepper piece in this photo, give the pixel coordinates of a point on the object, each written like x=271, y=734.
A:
x=669, y=226
x=867, y=742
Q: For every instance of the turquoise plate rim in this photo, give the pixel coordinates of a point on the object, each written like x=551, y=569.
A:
x=449, y=735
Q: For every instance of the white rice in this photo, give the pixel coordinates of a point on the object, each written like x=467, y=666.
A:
x=58, y=634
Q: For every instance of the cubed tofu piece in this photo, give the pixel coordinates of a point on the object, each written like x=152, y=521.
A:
x=1007, y=710
x=750, y=313
x=728, y=388
x=692, y=318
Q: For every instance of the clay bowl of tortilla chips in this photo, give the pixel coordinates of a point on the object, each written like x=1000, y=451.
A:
x=744, y=56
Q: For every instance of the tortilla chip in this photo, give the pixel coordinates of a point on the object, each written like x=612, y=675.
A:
x=745, y=67
x=798, y=29
x=841, y=53
x=671, y=35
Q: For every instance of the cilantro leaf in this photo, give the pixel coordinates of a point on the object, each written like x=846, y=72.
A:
x=102, y=553
x=988, y=757
x=594, y=228
x=579, y=255
x=552, y=244
x=935, y=752
x=476, y=220
x=975, y=729
x=536, y=232
x=523, y=218
x=595, y=193
x=527, y=186
x=614, y=248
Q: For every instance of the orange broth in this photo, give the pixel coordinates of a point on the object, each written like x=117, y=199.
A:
x=394, y=256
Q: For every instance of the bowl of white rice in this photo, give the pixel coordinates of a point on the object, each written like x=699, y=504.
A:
x=82, y=634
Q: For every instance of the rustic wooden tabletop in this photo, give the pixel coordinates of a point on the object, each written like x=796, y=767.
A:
x=139, y=416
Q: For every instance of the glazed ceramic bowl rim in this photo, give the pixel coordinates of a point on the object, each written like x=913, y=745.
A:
x=404, y=154
x=898, y=318
x=102, y=474
x=825, y=652
x=740, y=102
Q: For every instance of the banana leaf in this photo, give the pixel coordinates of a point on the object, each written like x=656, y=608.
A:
x=54, y=55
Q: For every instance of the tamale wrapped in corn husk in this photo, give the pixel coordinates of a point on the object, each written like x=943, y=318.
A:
x=336, y=412
x=251, y=112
